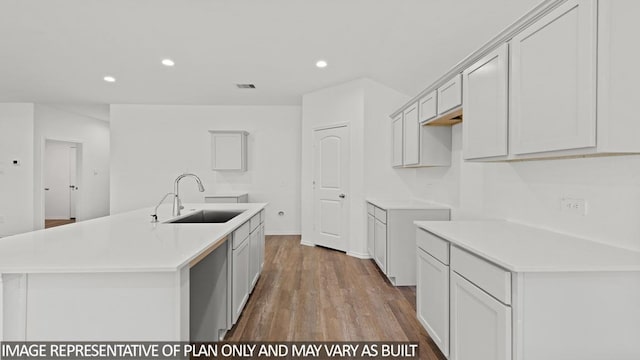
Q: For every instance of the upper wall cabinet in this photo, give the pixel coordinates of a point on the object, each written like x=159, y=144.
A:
x=484, y=129
x=450, y=95
x=553, y=74
x=428, y=106
x=229, y=150
x=415, y=145
x=397, y=134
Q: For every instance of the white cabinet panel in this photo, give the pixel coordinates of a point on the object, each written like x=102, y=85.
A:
x=397, y=141
x=370, y=234
x=427, y=106
x=380, y=244
x=229, y=150
x=480, y=324
x=254, y=258
x=240, y=283
x=450, y=95
x=553, y=81
x=432, y=299
x=486, y=106
x=411, y=139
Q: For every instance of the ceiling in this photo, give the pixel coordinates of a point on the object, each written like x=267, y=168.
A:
x=58, y=51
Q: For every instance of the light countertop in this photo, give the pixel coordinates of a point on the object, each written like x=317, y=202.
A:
x=227, y=194
x=126, y=242
x=522, y=248
x=405, y=204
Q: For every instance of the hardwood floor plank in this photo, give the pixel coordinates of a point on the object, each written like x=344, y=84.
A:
x=317, y=294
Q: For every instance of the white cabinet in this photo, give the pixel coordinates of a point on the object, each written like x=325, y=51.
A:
x=416, y=145
x=553, y=81
x=480, y=324
x=391, y=230
x=397, y=134
x=227, y=198
x=432, y=298
x=254, y=263
x=370, y=231
x=229, y=150
x=411, y=138
x=380, y=244
x=485, y=94
x=450, y=95
x=240, y=276
x=427, y=106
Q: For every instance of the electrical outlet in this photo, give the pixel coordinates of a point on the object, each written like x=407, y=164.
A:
x=573, y=206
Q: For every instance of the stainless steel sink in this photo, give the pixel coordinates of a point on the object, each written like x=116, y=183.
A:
x=207, y=216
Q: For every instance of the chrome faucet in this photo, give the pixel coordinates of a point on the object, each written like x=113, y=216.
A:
x=154, y=216
x=177, y=206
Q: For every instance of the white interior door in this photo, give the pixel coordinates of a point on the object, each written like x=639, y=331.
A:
x=73, y=180
x=56, y=180
x=330, y=184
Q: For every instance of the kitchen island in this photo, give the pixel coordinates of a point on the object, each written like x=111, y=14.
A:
x=122, y=277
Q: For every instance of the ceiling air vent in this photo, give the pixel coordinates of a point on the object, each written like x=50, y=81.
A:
x=246, y=86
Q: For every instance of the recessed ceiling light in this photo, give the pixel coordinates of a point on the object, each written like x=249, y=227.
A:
x=321, y=64
x=109, y=79
x=168, y=62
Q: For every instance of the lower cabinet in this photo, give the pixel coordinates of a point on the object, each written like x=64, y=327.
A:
x=380, y=244
x=432, y=299
x=371, y=221
x=247, y=261
x=480, y=324
x=240, y=276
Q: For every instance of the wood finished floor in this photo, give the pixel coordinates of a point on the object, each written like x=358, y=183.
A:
x=316, y=294
x=49, y=223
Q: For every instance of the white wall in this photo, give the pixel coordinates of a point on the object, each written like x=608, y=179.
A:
x=56, y=122
x=16, y=182
x=364, y=105
x=152, y=144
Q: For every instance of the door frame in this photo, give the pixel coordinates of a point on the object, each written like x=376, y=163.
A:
x=39, y=208
x=347, y=202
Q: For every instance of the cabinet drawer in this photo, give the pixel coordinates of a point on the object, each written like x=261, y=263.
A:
x=254, y=222
x=450, y=95
x=370, y=209
x=241, y=234
x=433, y=245
x=487, y=276
x=380, y=214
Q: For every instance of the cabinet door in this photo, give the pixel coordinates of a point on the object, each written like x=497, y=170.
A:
x=397, y=141
x=432, y=299
x=254, y=258
x=553, y=81
x=450, y=95
x=411, y=140
x=240, y=284
x=427, y=106
x=380, y=240
x=262, y=244
x=228, y=150
x=371, y=221
x=484, y=129
x=480, y=324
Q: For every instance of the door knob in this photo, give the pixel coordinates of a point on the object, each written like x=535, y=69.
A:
x=46, y=189
x=342, y=196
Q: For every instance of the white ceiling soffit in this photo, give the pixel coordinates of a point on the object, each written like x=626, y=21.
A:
x=59, y=51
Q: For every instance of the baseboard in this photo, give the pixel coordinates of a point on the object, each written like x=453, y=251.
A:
x=306, y=243
x=359, y=255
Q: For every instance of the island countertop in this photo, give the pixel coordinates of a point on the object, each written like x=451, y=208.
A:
x=126, y=242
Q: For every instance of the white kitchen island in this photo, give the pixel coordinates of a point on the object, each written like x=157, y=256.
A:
x=122, y=278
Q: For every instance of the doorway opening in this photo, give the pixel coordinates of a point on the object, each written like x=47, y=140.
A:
x=61, y=179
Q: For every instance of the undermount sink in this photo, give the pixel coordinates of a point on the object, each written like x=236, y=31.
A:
x=207, y=216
